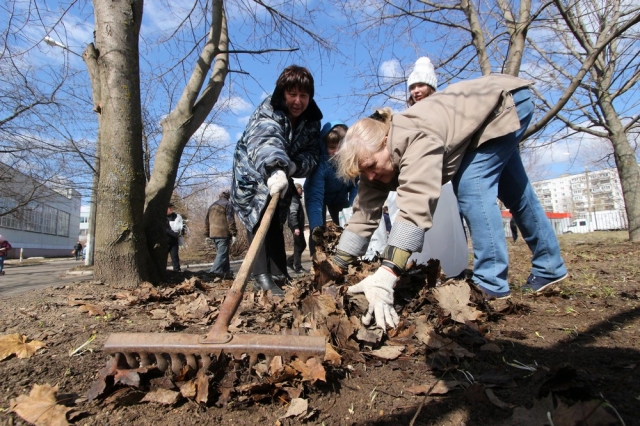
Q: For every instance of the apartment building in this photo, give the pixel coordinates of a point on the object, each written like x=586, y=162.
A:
x=578, y=194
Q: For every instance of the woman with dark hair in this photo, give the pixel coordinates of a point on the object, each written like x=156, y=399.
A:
x=280, y=142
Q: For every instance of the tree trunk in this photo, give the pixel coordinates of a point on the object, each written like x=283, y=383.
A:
x=627, y=166
x=190, y=112
x=121, y=255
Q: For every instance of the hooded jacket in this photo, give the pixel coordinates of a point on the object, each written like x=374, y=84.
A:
x=269, y=143
x=323, y=187
x=427, y=143
x=220, y=221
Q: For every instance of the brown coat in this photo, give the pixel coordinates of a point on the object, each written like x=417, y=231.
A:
x=427, y=144
x=220, y=221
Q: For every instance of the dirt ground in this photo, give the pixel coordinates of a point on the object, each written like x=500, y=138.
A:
x=569, y=356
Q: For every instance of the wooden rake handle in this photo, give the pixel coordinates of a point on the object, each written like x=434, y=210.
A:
x=219, y=329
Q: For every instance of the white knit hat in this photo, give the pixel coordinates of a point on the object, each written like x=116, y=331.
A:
x=423, y=72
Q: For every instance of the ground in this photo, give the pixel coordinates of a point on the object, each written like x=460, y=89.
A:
x=518, y=363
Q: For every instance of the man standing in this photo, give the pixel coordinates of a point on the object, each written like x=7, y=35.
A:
x=174, y=231
x=296, y=224
x=77, y=250
x=220, y=226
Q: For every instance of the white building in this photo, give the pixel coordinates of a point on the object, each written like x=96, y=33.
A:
x=85, y=211
x=577, y=194
x=41, y=219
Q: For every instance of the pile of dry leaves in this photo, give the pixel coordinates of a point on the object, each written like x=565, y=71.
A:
x=442, y=321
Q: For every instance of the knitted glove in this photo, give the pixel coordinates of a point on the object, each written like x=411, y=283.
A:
x=378, y=289
x=278, y=183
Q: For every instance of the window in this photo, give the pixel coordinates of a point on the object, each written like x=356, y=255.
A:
x=8, y=220
x=84, y=219
x=49, y=219
x=63, y=224
x=33, y=218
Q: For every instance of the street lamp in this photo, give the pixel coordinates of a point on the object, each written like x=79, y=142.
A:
x=55, y=43
x=88, y=261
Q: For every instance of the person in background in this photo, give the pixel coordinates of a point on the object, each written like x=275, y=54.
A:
x=77, y=250
x=173, y=230
x=422, y=81
x=220, y=226
x=4, y=251
x=280, y=142
x=296, y=224
x=469, y=134
x=323, y=189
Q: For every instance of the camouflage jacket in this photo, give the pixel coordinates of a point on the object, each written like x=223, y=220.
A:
x=269, y=144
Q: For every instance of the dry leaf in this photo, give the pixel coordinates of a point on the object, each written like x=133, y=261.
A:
x=40, y=407
x=297, y=407
x=312, y=370
x=202, y=383
x=11, y=344
x=92, y=310
x=331, y=356
x=454, y=299
x=440, y=388
x=388, y=352
x=162, y=396
x=188, y=388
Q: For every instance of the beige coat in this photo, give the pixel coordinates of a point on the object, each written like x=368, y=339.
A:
x=427, y=143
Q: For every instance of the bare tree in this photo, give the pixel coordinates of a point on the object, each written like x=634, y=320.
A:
x=131, y=240
x=604, y=104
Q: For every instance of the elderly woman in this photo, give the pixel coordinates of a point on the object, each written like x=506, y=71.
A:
x=467, y=134
x=279, y=142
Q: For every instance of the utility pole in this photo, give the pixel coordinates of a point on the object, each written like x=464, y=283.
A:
x=88, y=261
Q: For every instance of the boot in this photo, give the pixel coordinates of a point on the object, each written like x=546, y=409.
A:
x=265, y=282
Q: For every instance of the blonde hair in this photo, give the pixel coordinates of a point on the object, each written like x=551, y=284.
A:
x=364, y=138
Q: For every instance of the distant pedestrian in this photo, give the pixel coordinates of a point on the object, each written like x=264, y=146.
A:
x=77, y=250
x=220, y=226
x=296, y=224
x=4, y=251
x=174, y=229
x=514, y=229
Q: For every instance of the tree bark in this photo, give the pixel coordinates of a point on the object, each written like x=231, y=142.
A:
x=120, y=253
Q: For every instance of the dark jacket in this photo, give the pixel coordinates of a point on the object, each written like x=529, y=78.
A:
x=5, y=245
x=296, y=212
x=268, y=144
x=220, y=221
x=323, y=187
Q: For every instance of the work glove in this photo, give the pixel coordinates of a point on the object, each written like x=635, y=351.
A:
x=278, y=183
x=233, y=240
x=317, y=235
x=378, y=289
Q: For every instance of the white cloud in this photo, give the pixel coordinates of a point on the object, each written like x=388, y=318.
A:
x=213, y=134
x=237, y=104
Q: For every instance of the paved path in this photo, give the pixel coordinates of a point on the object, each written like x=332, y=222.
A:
x=22, y=278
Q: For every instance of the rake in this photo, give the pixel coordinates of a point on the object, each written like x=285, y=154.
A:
x=197, y=351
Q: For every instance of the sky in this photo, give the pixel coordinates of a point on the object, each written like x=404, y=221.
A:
x=340, y=76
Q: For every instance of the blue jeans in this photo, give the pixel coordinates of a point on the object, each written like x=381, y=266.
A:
x=221, y=263
x=495, y=171
x=1, y=264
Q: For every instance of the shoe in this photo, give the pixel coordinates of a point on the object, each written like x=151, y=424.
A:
x=493, y=295
x=265, y=282
x=301, y=270
x=538, y=284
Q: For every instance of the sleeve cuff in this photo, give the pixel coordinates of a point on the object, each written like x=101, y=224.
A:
x=353, y=244
x=405, y=236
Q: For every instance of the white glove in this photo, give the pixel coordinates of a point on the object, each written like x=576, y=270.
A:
x=378, y=289
x=233, y=240
x=278, y=183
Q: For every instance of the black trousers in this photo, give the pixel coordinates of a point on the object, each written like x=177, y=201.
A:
x=299, y=244
x=173, y=251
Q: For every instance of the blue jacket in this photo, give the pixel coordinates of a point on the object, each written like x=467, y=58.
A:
x=268, y=144
x=323, y=186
